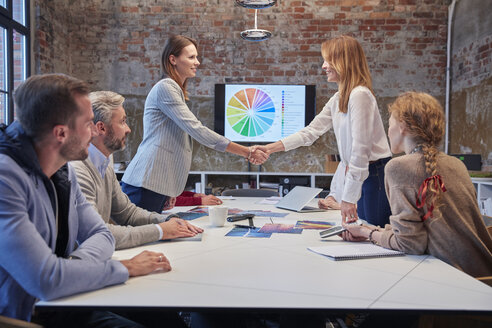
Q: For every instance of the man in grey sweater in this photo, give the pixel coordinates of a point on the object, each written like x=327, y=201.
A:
x=133, y=225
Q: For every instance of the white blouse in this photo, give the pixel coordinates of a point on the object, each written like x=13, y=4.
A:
x=337, y=183
x=360, y=137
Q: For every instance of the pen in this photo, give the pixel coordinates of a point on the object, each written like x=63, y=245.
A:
x=245, y=226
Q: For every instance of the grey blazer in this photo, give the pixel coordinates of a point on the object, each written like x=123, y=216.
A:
x=163, y=159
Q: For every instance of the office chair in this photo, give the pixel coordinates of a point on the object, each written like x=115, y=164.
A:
x=250, y=192
x=488, y=222
x=486, y=280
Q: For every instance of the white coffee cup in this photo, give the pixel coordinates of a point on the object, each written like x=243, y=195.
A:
x=217, y=215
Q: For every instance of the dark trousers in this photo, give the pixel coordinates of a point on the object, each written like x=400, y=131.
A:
x=373, y=204
x=256, y=320
x=145, y=198
x=106, y=319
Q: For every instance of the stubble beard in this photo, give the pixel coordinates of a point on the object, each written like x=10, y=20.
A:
x=113, y=144
x=73, y=150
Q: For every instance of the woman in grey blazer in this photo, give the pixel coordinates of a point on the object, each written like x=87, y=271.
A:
x=160, y=168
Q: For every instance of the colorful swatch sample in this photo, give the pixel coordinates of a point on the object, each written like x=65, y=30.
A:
x=318, y=225
x=279, y=228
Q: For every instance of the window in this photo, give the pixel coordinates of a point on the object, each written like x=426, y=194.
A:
x=14, y=52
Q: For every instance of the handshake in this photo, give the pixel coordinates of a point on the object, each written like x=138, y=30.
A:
x=258, y=154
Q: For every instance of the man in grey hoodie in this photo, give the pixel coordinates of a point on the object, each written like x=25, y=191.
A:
x=52, y=242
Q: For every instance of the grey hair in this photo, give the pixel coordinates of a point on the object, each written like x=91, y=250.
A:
x=103, y=104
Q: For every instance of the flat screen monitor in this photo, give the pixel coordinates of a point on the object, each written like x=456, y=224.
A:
x=258, y=113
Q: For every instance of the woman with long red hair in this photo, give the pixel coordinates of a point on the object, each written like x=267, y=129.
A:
x=433, y=202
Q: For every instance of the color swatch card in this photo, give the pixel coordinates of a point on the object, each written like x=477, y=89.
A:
x=204, y=209
x=279, y=228
x=318, y=225
x=199, y=209
x=188, y=216
x=247, y=232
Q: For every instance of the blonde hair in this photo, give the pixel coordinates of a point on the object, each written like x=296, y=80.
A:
x=346, y=56
x=423, y=118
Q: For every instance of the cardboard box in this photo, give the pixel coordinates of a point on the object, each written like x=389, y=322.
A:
x=331, y=163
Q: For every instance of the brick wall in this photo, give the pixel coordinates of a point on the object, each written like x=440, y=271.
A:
x=471, y=73
x=52, y=51
x=472, y=63
x=117, y=45
x=471, y=43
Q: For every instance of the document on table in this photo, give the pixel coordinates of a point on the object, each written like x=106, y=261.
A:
x=226, y=197
x=197, y=237
x=265, y=213
x=354, y=251
x=270, y=200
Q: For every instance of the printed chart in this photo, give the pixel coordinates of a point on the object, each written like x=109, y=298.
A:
x=250, y=112
x=262, y=112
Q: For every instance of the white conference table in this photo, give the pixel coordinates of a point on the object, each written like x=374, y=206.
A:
x=279, y=273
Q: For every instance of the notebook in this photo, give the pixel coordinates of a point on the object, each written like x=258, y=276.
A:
x=297, y=199
x=354, y=251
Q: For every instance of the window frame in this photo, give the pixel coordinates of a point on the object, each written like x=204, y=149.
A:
x=9, y=24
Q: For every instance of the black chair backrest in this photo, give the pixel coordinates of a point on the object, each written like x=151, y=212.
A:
x=250, y=192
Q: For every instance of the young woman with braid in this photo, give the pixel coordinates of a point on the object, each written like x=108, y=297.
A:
x=433, y=201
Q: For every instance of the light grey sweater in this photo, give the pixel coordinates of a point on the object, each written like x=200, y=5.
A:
x=134, y=225
x=455, y=234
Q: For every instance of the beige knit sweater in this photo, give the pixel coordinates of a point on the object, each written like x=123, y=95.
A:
x=455, y=234
x=130, y=225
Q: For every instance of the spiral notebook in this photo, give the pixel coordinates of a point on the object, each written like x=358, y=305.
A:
x=354, y=251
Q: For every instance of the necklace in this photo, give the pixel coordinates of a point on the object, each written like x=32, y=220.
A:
x=416, y=149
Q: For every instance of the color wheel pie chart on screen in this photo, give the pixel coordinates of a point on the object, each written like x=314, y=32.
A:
x=250, y=112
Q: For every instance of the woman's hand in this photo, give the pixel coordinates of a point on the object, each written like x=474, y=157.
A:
x=211, y=200
x=349, y=212
x=169, y=203
x=329, y=203
x=257, y=155
x=266, y=150
x=356, y=232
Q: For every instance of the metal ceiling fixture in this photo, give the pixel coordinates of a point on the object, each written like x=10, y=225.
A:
x=256, y=4
x=256, y=34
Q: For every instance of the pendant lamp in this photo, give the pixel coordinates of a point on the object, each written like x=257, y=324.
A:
x=256, y=34
x=256, y=4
